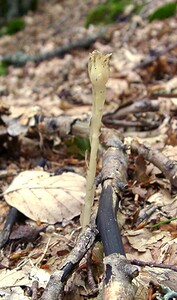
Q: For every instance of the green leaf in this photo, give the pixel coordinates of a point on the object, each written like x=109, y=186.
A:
x=3, y=69
x=77, y=145
x=164, y=12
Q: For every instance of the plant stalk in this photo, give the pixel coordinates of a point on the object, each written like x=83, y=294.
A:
x=98, y=72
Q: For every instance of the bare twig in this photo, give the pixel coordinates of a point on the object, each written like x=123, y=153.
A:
x=34, y=289
x=64, y=125
x=144, y=105
x=153, y=265
x=124, y=123
x=56, y=283
x=166, y=165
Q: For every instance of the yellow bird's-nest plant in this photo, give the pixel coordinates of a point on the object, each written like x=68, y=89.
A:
x=98, y=69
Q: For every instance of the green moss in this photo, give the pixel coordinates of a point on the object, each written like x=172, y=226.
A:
x=15, y=25
x=108, y=13
x=164, y=12
x=12, y=26
x=3, y=69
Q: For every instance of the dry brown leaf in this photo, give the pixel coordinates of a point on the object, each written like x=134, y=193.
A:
x=170, y=151
x=174, y=101
x=39, y=195
x=125, y=59
x=166, y=277
x=159, y=276
x=171, y=84
x=10, y=278
x=167, y=202
x=25, y=276
x=119, y=86
x=13, y=293
x=143, y=239
x=138, y=238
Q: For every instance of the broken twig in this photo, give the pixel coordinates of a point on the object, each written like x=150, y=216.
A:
x=166, y=165
x=56, y=283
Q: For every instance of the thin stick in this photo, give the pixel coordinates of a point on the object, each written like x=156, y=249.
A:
x=166, y=165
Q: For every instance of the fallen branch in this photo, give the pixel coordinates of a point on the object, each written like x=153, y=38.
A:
x=114, y=174
x=54, y=289
x=153, y=265
x=166, y=165
x=144, y=105
x=119, y=273
x=120, y=284
x=64, y=125
x=20, y=59
x=146, y=124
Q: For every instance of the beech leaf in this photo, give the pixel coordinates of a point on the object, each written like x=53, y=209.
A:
x=45, y=197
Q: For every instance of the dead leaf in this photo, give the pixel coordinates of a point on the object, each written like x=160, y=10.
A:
x=171, y=84
x=39, y=195
x=174, y=101
x=119, y=86
x=167, y=203
x=13, y=293
x=10, y=278
x=166, y=277
x=161, y=198
x=143, y=239
x=25, y=233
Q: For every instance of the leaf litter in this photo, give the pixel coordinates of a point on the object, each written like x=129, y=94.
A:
x=60, y=86
x=50, y=199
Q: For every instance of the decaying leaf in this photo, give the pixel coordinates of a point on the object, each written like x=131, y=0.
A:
x=25, y=233
x=13, y=277
x=25, y=276
x=142, y=239
x=50, y=199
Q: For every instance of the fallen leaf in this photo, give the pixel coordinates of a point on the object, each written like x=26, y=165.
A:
x=13, y=293
x=25, y=233
x=161, y=198
x=13, y=278
x=143, y=239
x=40, y=195
x=167, y=202
x=171, y=84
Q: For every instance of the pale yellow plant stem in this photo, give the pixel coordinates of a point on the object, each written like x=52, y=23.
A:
x=91, y=172
x=98, y=72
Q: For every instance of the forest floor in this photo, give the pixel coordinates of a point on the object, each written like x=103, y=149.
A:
x=141, y=103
